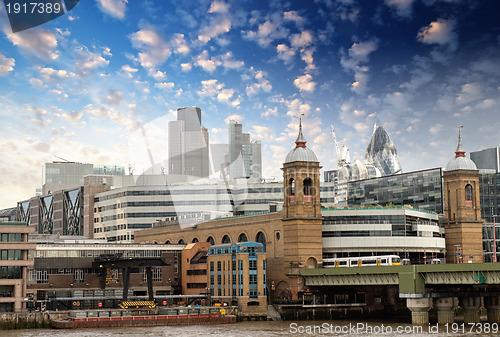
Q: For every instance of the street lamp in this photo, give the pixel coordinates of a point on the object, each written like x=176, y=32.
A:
x=494, y=240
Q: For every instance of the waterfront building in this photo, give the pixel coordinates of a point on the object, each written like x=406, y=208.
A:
x=291, y=238
x=237, y=276
x=64, y=271
x=194, y=268
x=403, y=231
x=188, y=144
x=14, y=261
x=462, y=212
x=244, y=159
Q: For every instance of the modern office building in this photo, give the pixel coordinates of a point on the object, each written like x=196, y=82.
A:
x=487, y=160
x=237, y=276
x=14, y=261
x=244, y=159
x=421, y=190
x=401, y=231
x=64, y=269
x=69, y=175
x=188, y=144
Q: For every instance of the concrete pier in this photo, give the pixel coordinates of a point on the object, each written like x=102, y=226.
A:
x=446, y=309
x=471, y=306
x=492, y=305
x=419, y=310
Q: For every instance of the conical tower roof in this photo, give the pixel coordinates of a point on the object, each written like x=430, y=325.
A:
x=460, y=162
x=301, y=152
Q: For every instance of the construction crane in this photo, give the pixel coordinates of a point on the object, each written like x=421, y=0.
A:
x=343, y=157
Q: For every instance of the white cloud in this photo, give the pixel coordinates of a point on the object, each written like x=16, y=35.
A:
x=229, y=62
x=436, y=129
x=294, y=16
x=158, y=75
x=154, y=49
x=186, y=66
x=6, y=65
x=114, y=97
x=403, y=8
x=207, y=64
x=358, y=54
x=305, y=83
x=285, y=53
x=38, y=41
x=129, y=71
x=440, y=32
x=165, y=85
x=218, y=7
x=115, y=8
x=301, y=40
x=215, y=90
x=267, y=32
x=52, y=75
x=180, y=45
x=88, y=61
x=216, y=27
x=270, y=112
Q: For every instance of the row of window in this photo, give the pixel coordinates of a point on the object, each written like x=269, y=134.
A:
x=11, y=237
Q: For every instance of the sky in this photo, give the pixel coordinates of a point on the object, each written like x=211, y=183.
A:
x=99, y=84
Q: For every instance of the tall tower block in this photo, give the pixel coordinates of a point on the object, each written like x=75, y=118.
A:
x=463, y=223
x=302, y=219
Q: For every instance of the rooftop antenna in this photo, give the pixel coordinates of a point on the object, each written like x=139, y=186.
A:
x=66, y=160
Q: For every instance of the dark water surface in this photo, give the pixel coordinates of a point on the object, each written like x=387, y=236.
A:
x=288, y=328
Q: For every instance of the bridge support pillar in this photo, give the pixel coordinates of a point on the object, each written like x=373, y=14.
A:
x=492, y=305
x=446, y=309
x=471, y=307
x=419, y=310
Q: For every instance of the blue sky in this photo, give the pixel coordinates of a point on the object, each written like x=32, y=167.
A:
x=98, y=84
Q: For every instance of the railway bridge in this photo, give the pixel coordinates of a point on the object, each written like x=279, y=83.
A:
x=444, y=286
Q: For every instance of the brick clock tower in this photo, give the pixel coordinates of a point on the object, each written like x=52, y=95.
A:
x=302, y=221
x=462, y=223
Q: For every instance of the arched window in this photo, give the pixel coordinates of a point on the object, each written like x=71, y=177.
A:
x=242, y=238
x=291, y=189
x=211, y=240
x=307, y=190
x=167, y=242
x=261, y=238
x=181, y=242
x=226, y=239
x=195, y=240
x=468, y=195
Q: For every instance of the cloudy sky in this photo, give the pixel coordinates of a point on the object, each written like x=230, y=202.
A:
x=100, y=83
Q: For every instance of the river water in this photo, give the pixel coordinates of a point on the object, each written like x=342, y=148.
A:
x=288, y=328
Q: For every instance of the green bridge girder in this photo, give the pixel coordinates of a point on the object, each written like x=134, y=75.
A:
x=410, y=279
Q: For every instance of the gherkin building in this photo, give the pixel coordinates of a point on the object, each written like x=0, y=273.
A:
x=382, y=153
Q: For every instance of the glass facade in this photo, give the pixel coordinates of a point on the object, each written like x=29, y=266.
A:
x=422, y=190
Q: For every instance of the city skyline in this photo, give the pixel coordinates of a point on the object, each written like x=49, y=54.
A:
x=87, y=86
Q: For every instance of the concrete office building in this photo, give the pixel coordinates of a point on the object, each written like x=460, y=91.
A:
x=14, y=261
x=244, y=158
x=188, y=144
x=409, y=233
